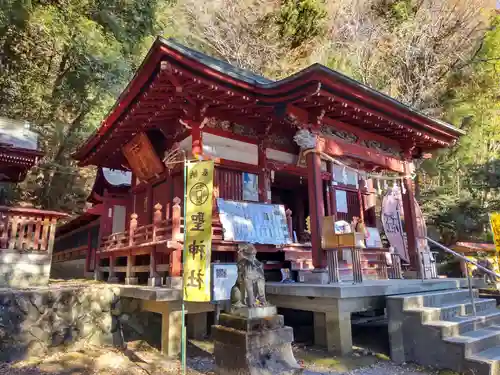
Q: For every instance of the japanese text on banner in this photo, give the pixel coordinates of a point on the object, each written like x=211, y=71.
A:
x=495, y=228
x=198, y=227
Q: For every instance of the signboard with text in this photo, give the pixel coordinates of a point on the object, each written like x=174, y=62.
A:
x=142, y=157
x=198, y=231
x=254, y=222
x=224, y=277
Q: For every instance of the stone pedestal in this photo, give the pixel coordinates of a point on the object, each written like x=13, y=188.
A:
x=173, y=282
x=131, y=281
x=254, y=346
x=154, y=281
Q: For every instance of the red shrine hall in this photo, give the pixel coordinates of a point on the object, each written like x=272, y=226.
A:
x=292, y=139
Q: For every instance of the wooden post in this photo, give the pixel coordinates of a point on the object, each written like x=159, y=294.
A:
x=112, y=277
x=361, y=204
x=97, y=268
x=264, y=183
x=154, y=279
x=316, y=206
x=130, y=278
x=176, y=220
x=88, y=256
x=21, y=235
x=38, y=228
x=132, y=228
x=175, y=261
x=289, y=223
x=13, y=233
x=156, y=219
x=331, y=191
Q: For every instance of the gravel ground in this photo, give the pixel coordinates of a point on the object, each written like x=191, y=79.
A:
x=142, y=359
x=378, y=369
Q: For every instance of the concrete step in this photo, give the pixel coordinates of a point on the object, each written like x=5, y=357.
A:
x=476, y=341
x=451, y=310
x=436, y=298
x=489, y=355
x=486, y=362
x=460, y=324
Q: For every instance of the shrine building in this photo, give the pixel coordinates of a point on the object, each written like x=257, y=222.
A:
x=317, y=142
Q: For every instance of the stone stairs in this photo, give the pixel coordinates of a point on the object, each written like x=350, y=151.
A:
x=439, y=329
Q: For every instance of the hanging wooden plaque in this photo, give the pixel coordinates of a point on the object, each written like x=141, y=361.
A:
x=142, y=157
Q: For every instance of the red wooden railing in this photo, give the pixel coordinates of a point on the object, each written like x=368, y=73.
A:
x=26, y=229
x=365, y=262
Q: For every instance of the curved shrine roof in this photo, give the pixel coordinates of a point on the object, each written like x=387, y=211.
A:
x=174, y=81
x=114, y=181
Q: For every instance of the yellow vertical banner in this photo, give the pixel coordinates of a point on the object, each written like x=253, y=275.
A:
x=495, y=228
x=198, y=231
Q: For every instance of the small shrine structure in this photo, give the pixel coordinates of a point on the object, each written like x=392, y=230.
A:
x=26, y=234
x=77, y=240
x=314, y=142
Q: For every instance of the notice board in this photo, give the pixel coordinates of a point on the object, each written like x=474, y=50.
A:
x=256, y=223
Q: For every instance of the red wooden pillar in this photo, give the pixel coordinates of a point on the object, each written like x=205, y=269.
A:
x=175, y=263
x=316, y=206
x=89, y=254
x=264, y=183
x=410, y=221
x=331, y=191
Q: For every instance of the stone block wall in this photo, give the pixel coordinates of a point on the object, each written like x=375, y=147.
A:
x=22, y=270
x=33, y=322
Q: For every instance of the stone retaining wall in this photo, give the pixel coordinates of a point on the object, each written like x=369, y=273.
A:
x=32, y=322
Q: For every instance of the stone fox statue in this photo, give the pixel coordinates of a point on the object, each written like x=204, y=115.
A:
x=249, y=289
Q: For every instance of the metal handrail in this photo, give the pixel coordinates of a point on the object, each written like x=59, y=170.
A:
x=448, y=250
x=467, y=262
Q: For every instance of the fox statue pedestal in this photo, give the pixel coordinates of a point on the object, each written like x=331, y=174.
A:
x=254, y=345
x=252, y=339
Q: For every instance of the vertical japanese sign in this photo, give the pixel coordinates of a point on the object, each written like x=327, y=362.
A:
x=495, y=228
x=198, y=231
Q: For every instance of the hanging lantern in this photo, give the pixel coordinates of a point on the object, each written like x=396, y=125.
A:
x=386, y=185
x=379, y=188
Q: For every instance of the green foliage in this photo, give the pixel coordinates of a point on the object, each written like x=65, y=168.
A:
x=301, y=20
x=469, y=174
x=64, y=63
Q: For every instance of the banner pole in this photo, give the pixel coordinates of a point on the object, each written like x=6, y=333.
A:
x=183, y=309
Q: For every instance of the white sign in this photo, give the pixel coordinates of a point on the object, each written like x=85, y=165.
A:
x=250, y=187
x=341, y=199
x=373, y=238
x=223, y=279
x=253, y=222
